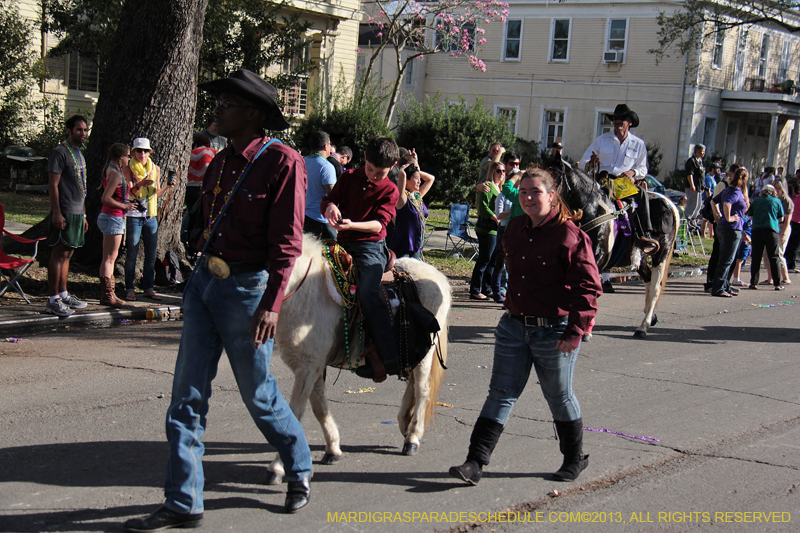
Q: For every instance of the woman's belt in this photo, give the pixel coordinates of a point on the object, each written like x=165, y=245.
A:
x=540, y=321
x=221, y=269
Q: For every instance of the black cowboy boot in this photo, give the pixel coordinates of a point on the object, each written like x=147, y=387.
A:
x=570, y=441
x=484, y=437
x=297, y=495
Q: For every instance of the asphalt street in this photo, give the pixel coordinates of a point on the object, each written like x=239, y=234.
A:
x=693, y=429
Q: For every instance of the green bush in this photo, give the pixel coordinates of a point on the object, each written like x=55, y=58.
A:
x=654, y=157
x=450, y=141
x=349, y=123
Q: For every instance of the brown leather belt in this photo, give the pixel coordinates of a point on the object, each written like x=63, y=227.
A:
x=222, y=269
x=540, y=320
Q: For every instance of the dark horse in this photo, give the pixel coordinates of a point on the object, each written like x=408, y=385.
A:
x=613, y=245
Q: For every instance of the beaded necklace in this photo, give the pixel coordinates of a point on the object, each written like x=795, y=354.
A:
x=212, y=218
x=80, y=170
x=124, y=182
x=416, y=200
x=347, y=291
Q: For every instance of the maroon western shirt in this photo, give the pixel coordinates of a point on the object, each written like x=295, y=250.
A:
x=551, y=272
x=360, y=200
x=265, y=221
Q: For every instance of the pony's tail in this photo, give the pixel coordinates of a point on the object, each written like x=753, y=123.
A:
x=436, y=375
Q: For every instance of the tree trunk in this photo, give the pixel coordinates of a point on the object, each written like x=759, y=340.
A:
x=149, y=90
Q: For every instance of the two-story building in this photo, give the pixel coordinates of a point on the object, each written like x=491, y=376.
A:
x=77, y=81
x=554, y=69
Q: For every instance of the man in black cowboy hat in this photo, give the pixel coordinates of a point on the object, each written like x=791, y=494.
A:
x=233, y=297
x=624, y=155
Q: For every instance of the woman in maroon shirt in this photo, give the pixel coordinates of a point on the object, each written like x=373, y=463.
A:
x=553, y=285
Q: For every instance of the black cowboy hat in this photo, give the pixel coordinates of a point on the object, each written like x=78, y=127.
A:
x=624, y=112
x=250, y=86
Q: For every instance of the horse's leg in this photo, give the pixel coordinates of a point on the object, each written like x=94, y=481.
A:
x=319, y=405
x=406, y=406
x=421, y=396
x=654, y=286
x=304, y=378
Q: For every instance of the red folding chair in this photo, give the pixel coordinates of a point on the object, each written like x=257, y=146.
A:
x=11, y=268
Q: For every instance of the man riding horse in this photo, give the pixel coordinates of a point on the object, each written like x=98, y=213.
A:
x=623, y=156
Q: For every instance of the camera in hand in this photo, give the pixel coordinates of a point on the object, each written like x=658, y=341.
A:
x=139, y=205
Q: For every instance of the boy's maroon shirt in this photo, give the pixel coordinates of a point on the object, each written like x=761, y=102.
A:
x=360, y=200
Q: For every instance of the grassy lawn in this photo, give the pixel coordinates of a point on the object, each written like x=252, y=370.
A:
x=452, y=267
x=25, y=207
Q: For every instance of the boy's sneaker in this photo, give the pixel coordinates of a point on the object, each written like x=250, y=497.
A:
x=58, y=308
x=72, y=302
x=738, y=283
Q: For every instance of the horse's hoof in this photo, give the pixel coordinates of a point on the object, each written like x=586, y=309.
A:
x=409, y=448
x=274, y=479
x=330, y=459
x=654, y=321
x=587, y=337
x=639, y=334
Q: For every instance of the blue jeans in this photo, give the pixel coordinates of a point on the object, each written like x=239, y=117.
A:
x=370, y=259
x=216, y=315
x=728, y=244
x=145, y=229
x=482, y=273
x=518, y=347
x=499, y=275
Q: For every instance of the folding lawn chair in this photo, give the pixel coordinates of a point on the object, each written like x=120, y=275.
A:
x=458, y=234
x=11, y=268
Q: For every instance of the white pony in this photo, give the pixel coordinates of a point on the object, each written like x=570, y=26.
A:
x=311, y=329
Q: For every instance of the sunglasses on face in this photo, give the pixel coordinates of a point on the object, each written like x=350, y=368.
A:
x=499, y=171
x=223, y=104
x=141, y=151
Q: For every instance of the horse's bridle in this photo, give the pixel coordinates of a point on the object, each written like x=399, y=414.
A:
x=311, y=260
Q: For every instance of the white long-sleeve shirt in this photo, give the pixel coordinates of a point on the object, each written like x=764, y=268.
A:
x=616, y=157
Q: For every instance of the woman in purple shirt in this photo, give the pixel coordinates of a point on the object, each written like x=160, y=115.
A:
x=553, y=285
x=733, y=203
x=412, y=212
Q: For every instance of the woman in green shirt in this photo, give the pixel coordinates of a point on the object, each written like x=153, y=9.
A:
x=486, y=230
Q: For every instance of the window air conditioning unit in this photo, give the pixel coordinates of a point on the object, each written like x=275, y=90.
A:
x=613, y=57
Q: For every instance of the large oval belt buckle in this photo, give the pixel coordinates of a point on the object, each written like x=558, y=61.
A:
x=218, y=267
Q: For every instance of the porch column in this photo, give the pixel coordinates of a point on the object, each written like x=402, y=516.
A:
x=791, y=167
x=773, y=137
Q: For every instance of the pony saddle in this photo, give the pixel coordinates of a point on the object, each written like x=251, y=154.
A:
x=414, y=326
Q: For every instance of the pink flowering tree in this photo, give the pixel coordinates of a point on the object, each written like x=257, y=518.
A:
x=424, y=28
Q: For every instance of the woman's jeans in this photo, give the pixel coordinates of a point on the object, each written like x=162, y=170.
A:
x=499, y=263
x=217, y=315
x=518, y=347
x=765, y=238
x=792, y=246
x=482, y=273
x=145, y=229
x=728, y=244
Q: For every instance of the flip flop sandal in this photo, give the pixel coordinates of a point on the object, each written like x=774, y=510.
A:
x=131, y=297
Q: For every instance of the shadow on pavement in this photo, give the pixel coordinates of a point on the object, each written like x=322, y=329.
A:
x=706, y=334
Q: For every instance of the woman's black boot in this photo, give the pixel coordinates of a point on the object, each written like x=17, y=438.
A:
x=570, y=441
x=484, y=437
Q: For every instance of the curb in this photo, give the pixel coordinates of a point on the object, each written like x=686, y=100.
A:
x=14, y=325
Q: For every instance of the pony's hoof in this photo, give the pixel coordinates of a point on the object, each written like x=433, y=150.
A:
x=654, y=321
x=409, y=448
x=639, y=334
x=274, y=479
x=330, y=459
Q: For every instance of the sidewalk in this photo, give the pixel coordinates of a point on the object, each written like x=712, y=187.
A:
x=17, y=316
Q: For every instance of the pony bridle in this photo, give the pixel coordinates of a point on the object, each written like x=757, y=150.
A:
x=310, y=261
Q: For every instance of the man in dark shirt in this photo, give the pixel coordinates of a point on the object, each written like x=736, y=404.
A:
x=233, y=297
x=359, y=207
x=695, y=177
